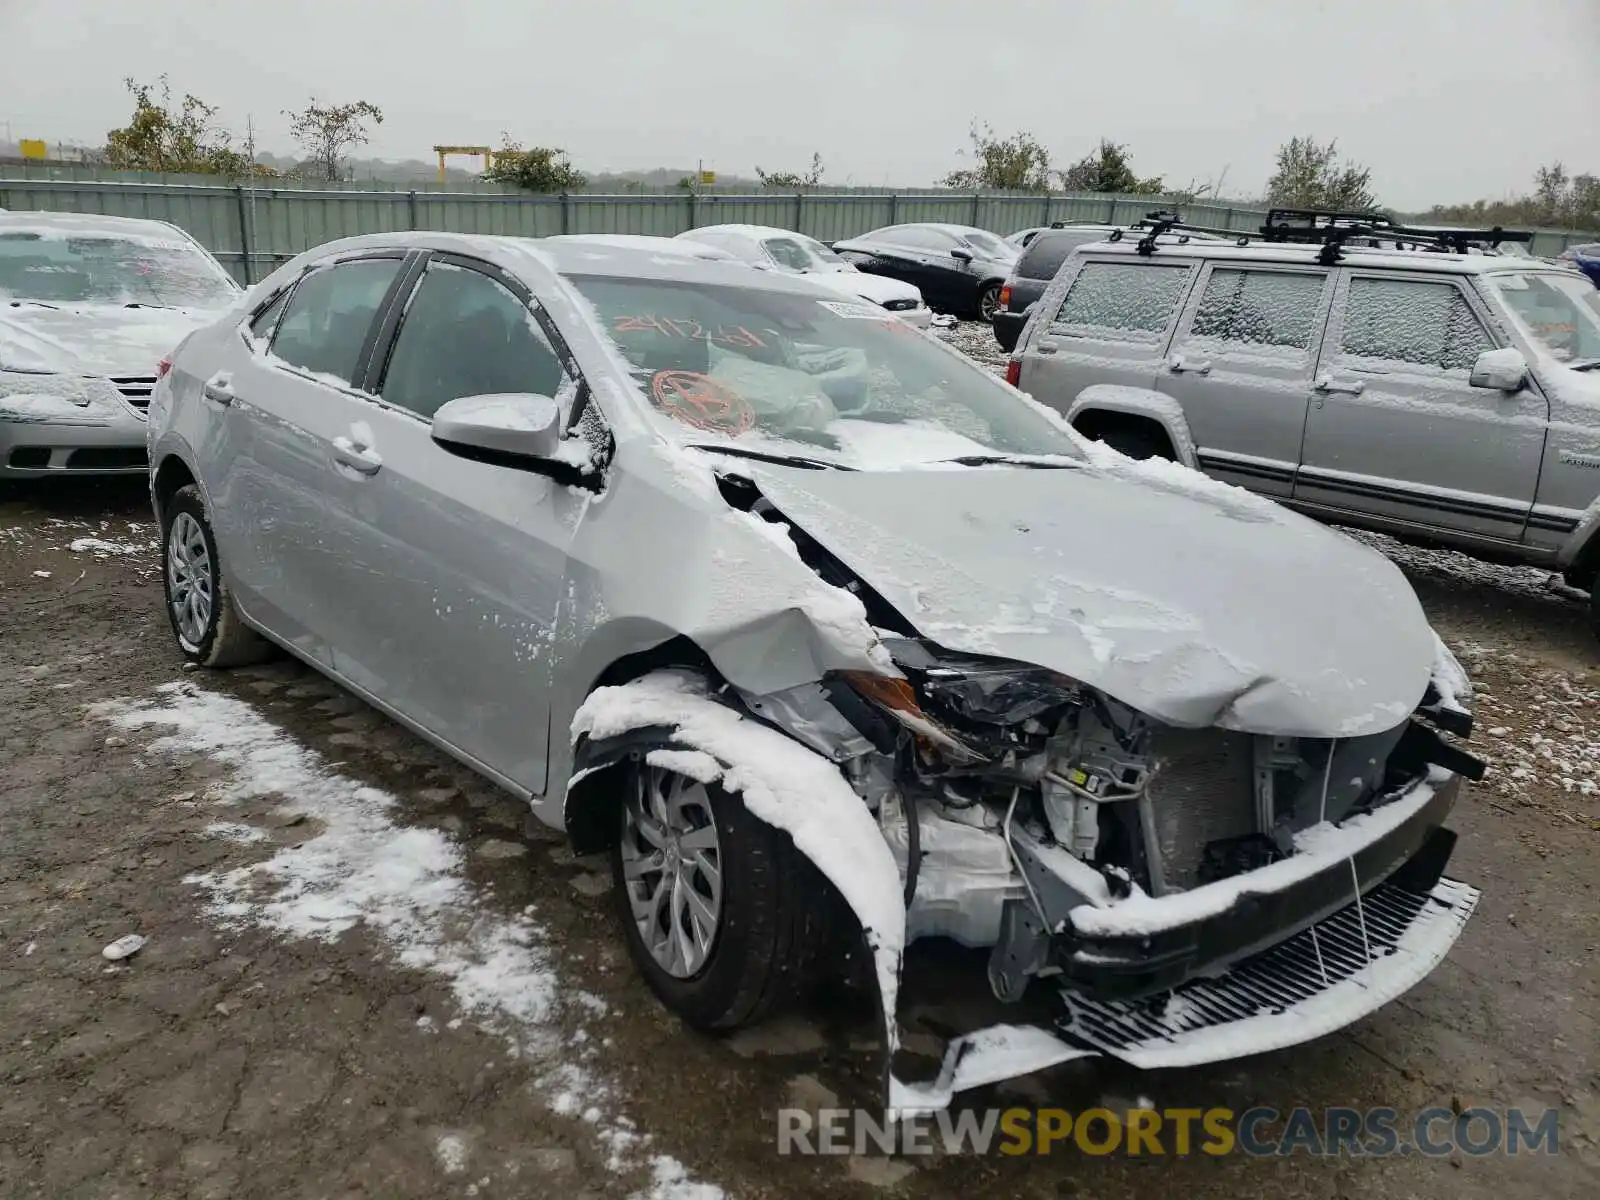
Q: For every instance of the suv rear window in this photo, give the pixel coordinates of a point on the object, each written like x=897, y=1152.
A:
x=1045, y=254
x=1131, y=302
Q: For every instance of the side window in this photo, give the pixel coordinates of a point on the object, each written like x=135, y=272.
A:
x=788, y=253
x=1123, y=301
x=329, y=314
x=261, y=328
x=466, y=335
x=920, y=239
x=1259, y=308
x=1416, y=321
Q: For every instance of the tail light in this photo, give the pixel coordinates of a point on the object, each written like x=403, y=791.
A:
x=1005, y=297
x=1014, y=372
x=163, y=367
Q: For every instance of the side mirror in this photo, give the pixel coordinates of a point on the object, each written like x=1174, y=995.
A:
x=512, y=430
x=1500, y=370
x=961, y=254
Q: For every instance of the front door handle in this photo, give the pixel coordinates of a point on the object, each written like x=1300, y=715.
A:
x=1328, y=385
x=358, y=458
x=219, y=389
x=1178, y=365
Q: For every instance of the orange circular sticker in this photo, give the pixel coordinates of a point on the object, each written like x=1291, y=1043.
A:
x=701, y=401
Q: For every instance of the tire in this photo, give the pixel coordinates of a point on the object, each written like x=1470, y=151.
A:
x=988, y=302
x=1594, y=607
x=200, y=608
x=1138, y=443
x=772, y=907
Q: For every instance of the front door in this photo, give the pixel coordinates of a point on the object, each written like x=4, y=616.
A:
x=452, y=569
x=1395, y=430
x=1241, y=367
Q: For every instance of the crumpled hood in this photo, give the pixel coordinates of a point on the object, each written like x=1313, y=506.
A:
x=93, y=339
x=877, y=288
x=1194, y=602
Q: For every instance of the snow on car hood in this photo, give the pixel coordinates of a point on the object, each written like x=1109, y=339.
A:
x=880, y=289
x=1193, y=608
x=93, y=339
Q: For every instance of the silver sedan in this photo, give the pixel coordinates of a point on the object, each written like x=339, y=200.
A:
x=831, y=639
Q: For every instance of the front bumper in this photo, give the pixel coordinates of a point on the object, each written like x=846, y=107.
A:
x=1008, y=329
x=43, y=449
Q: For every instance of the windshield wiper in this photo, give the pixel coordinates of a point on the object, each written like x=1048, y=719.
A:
x=782, y=460
x=143, y=304
x=1039, y=462
x=1584, y=364
x=35, y=304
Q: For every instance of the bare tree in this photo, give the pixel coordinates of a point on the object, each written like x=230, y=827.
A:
x=327, y=131
x=1310, y=175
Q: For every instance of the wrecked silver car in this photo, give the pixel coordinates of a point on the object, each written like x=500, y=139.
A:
x=831, y=639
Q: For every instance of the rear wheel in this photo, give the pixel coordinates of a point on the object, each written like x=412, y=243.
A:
x=199, y=605
x=723, y=916
x=989, y=302
x=1138, y=443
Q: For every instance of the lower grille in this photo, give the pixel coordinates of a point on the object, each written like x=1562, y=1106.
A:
x=1358, y=958
x=107, y=458
x=900, y=305
x=135, y=389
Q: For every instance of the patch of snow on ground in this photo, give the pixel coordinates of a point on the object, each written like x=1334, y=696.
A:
x=404, y=883
x=451, y=1152
x=97, y=546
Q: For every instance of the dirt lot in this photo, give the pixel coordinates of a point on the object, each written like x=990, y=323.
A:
x=412, y=995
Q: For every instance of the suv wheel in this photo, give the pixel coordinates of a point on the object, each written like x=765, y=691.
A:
x=723, y=916
x=1138, y=443
x=199, y=604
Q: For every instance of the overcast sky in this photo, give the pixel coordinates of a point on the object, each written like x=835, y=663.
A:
x=1445, y=99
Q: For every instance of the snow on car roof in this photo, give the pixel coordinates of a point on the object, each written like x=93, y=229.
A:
x=63, y=224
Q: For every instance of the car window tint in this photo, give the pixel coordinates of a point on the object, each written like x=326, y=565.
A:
x=1259, y=308
x=466, y=335
x=1050, y=249
x=1413, y=321
x=1125, y=301
x=922, y=239
x=329, y=313
x=788, y=253
x=261, y=327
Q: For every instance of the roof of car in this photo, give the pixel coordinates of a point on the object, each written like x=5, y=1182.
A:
x=1168, y=247
x=73, y=222
x=754, y=231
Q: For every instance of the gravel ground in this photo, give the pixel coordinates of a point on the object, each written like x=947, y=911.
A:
x=363, y=976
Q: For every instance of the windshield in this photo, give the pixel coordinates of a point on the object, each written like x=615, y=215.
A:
x=829, y=260
x=989, y=244
x=846, y=383
x=1558, y=310
x=53, y=268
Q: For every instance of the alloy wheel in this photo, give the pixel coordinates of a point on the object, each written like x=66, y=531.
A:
x=672, y=868
x=190, y=582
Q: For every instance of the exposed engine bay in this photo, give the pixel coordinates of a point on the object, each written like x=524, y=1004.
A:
x=1012, y=795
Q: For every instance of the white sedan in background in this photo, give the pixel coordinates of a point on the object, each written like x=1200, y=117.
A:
x=769, y=248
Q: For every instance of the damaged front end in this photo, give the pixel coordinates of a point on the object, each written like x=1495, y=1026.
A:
x=1180, y=895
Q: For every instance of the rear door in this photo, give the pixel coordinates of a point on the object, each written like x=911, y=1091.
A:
x=1111, y=326
x=451, y=570
x=1242, y=365
x=284, y=413
x=1396, y=432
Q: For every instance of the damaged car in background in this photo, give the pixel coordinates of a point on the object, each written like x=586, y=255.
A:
x=831, y=640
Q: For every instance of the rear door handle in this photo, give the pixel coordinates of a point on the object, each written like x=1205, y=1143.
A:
x=1328, y=385
x=219, y=388
x=1178, y=365
x=358, y=458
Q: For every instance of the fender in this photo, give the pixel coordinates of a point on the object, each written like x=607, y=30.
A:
x=1140, y=402
x=781, y=782
x=1582, y=543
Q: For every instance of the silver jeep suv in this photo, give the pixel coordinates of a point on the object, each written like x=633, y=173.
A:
x=1415, y=382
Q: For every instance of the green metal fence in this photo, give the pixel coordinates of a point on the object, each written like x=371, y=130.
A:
x=252, y=229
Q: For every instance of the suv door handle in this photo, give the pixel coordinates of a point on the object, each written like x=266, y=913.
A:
x=1178, y=365
x=358, y=458
x=219, y=389
x=1328, y=385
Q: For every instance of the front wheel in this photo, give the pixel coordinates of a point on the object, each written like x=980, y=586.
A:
x=200, y=607
x=723, y=916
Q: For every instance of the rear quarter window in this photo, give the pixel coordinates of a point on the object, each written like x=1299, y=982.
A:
x=1047, y=251
x=1122, y=301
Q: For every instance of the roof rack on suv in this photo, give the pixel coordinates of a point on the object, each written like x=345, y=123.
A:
x=1330, y=229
